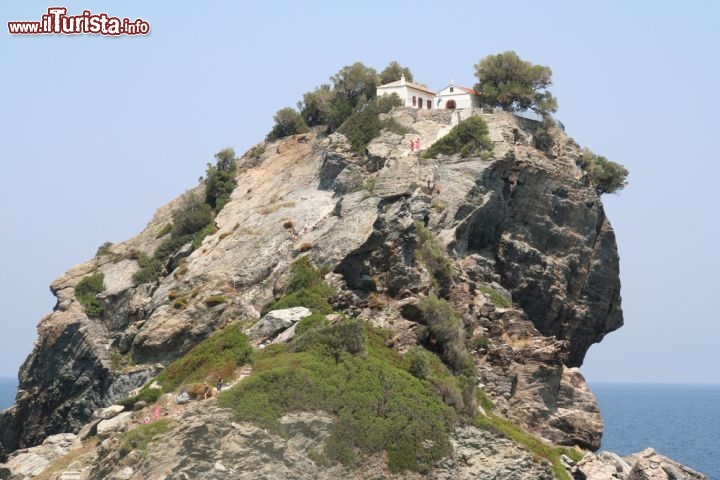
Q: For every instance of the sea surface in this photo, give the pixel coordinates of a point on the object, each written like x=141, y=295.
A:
x=680, y=421
x=7, y=392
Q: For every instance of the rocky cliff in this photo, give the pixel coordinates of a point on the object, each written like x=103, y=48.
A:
x=534, y=280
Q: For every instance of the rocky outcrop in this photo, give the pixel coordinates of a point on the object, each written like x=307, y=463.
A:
x=204, y=442
x=276, y=321
x=646, y=465
x=523, y=224
x=31, y=462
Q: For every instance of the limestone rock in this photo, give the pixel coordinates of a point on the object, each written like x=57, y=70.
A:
x=286, y=335
x=114, y=424
x=592, y=467
x=276, y=321
x=109, y=412
x=31, y=462
x=649, y=465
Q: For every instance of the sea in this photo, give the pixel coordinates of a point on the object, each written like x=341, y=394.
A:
x=680, y=421
x=8, y=386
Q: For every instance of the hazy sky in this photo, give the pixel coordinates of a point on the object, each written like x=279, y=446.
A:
x=97, y=132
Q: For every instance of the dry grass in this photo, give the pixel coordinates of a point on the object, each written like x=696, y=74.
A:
x=64, y=462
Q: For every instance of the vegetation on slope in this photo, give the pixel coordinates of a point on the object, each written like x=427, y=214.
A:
x=287, y=122
x=86, y=293
x=432, y=254
x=468, y=138
x=346, y=370
x=384, y=402
x=194, y=220
x=363, y=126
x=140, y=437
x=306, y=288
x=351, y=94
x=529, y=441
x=605, y=175
x=217, y=356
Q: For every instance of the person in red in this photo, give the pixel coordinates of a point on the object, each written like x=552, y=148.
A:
x=412, y=146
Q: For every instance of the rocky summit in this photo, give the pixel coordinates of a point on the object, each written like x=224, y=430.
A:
x=514, y=245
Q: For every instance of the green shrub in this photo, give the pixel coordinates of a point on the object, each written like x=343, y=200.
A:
x=256, y=151
x=146, y=394
x=86, y=293
x=311, y=322
x=479, y=342
x=385, y=103
x=606, y=176
x=139, y=437
x=379, y=406
x=445, y=333
x=316, y=105
x=333, y=340
x=164, y=230
x=468, y=138
x=306, y=288
x=365, y=124
x=103, y=249
x=191, y=218
x=484, y=401
x=352, y=87
x=149, y=271
x=198, y=238
x=170, y=245
x=495, y=297
x=419, y=361
x=220, y=178
x=192, y=222
x=287, y=122
x=149, y=395
x=433, y=255
x=218, y=355
x=361, y=127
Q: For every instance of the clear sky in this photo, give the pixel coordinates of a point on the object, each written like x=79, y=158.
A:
x=97, y=132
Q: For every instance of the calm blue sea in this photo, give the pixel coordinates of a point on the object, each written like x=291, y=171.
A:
x=679, y=421
x=7, y=392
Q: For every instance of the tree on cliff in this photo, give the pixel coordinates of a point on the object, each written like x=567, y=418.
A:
x=507, y=81
x=605, y=175
x=355, y=82
x=353, y=87
x=287, y=122
x=220, y=179
x=315, y=106
x=393, y=72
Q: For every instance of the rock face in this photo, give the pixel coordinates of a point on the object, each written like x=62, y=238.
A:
x=277, y=321
x=523, y=225
x=205, y=443
x=31, y=462
x=646, y=465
